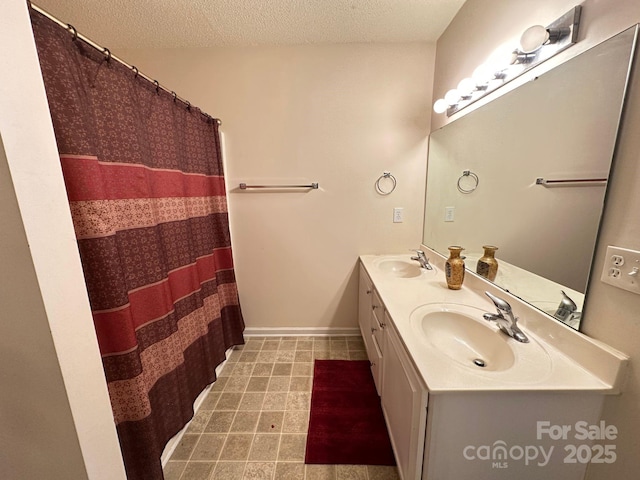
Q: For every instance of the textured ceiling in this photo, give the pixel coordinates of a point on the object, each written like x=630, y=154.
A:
x=202, y=23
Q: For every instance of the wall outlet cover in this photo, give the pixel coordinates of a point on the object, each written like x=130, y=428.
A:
x=622, y=269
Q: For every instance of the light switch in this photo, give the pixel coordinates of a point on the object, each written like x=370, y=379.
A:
x=398, y=215
x=449, y=214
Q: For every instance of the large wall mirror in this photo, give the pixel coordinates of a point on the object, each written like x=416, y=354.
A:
x=562, y=126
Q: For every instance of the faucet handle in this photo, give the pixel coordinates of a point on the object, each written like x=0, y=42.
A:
x=567, y=302
x=500, y=304
x=567, y=308
x=417, y=251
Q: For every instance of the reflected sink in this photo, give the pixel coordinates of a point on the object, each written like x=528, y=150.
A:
x=464, y=339
x=459, y=333
x=401, y=267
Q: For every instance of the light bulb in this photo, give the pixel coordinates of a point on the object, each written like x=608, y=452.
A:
x=533, y=38
x=452, y=97
x=482, y=74
x=466, y=86
x=440, y=106
x=500, y=58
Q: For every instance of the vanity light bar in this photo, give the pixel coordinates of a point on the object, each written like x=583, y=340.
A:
x=537, y=44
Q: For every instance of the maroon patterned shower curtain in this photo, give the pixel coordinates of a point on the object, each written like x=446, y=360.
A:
x=146, y=189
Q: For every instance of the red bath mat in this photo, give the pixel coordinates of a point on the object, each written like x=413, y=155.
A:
x=346, y=425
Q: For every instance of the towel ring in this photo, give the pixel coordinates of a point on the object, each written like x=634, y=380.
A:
x=468, y=173
x=394, y=182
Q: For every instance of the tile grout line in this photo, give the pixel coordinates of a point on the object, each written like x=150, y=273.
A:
x=284, y=412
x=235, y=414
x=246, y=463
x=275, y=463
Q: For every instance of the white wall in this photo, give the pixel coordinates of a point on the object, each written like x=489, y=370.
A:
x=55, y=415
x=612, y=315
x=339, y=115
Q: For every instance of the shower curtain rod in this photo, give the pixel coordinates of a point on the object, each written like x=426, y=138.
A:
x=110, y=56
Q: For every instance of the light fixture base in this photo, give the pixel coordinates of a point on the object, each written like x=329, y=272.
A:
x=565, y=31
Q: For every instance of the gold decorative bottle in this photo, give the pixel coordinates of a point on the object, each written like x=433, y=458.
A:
x=487, y=264
x=454, y=268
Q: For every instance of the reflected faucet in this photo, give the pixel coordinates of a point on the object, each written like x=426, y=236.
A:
x=422, y=258
x=505, y=319
x=567, y=310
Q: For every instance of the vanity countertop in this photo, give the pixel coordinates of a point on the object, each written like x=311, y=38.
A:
x=557, y=358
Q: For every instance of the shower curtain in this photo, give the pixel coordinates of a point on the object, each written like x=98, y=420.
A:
x=144, y=178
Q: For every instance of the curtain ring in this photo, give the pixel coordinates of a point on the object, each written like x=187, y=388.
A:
x=107, y=53
x=468, y=173
x=135, y=69
x=157, y=84
x=393, y=180
x=174, y=95
x=73, y=31
x=188, y=106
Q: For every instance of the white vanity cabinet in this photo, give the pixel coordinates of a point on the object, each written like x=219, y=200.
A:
x=450, y=420
x=370, y=313
x=403, y=395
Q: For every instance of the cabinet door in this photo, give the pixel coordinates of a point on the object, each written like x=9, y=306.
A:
x=377, y=364
x=404, y=402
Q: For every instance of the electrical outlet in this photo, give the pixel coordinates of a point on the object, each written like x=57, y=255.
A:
x=622, y=269
x=614, y=272
x=398, y=215
x=449, y=214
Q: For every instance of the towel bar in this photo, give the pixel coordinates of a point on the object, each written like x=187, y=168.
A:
x=244, y=186
x=575, y=182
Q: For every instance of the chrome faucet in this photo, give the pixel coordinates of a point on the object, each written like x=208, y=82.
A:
x=567, y=310
x=505, y=319
x=422, y=258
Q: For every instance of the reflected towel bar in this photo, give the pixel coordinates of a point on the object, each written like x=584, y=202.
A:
x=575, y=182
x=244, y=186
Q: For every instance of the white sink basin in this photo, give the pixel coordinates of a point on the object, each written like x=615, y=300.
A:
x=402, y=267
x=459, y=333
x=466, y=340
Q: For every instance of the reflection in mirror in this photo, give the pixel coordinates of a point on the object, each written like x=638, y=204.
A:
x=562, y=126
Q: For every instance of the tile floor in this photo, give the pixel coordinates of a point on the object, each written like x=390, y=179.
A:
x=253, y=423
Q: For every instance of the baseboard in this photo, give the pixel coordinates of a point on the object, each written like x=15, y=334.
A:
x=300, y=331
x=175, y=440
